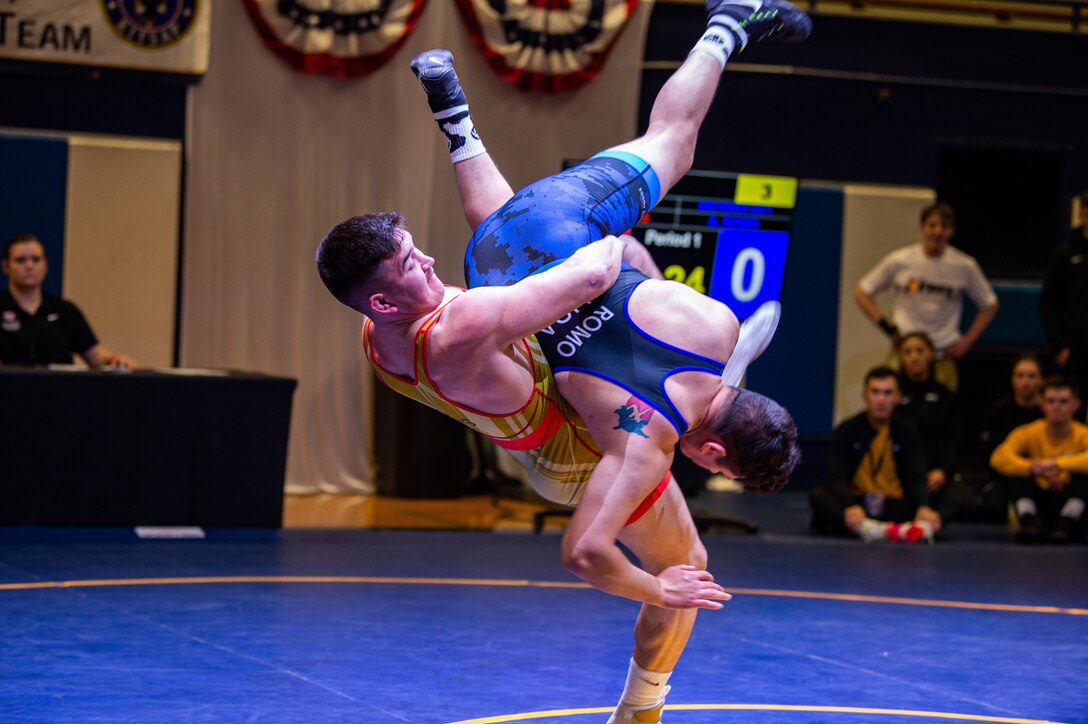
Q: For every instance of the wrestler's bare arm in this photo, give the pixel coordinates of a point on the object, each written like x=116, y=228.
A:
x=497, y=317
x=474, y=352
x=637, y=451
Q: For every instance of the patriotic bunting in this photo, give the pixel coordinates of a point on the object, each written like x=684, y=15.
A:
x=339, y=37
x=549, y=45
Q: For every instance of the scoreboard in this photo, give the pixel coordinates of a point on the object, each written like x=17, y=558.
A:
x=724, y=234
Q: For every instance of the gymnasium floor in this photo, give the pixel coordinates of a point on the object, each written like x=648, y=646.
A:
x=365, y=625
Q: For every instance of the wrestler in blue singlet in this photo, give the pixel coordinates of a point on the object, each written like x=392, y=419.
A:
x=545, y=223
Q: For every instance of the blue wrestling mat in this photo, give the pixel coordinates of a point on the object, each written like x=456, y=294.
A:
x=372, y=626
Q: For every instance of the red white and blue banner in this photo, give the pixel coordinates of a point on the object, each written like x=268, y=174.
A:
x=549, y=45
x=335, y=37
x=170, y=36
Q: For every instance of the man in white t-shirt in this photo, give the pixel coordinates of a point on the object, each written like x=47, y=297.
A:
x=930, y=280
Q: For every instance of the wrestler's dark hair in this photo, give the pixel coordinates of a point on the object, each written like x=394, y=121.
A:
x=1061, y=382
x=882, y=372
x=353, y=250
x=1083, y=198
x=19, y=239
x=945, y=211
x=760, y=438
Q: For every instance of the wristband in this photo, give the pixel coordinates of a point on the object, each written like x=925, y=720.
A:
x=889, y=329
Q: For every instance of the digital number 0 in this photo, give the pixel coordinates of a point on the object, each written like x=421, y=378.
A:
x=754, y=257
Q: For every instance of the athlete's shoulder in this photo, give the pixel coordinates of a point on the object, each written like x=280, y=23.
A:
x=466, y=323
x=906, y=254
x=958, y=256
x=680, y=315
x=668, y=289
x=892, y=262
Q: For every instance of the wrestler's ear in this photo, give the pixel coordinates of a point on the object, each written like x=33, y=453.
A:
x=713, y=448
x=380, y=303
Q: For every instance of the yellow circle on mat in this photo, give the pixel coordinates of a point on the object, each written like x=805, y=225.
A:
x=947, y=716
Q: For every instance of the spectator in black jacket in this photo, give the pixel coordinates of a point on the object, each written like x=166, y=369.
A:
x=933, y=409
x=876, y=485
x=1064, y=301
x=1019, y=408
x=1005, y=415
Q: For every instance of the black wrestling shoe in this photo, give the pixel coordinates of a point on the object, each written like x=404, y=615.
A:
x=759, y=21
x=435, y=71
x=1030, y=531
x=1063, y=530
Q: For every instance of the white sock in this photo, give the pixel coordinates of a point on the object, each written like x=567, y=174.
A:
x=1025, y=506
x=717, y=42
x=644, y=687
x=461, y=137
x=873, y=530
x=1073, y=508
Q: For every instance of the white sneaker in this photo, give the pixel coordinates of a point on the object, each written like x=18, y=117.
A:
x=873, y=530
x=627, y=714
x=755, y=334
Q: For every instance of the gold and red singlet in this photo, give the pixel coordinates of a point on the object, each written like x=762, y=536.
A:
x=545, y=435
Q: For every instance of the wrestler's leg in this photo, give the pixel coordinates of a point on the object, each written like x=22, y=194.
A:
x=678, y=111
x=483, y=188
x=665, y=536
x=682, y=103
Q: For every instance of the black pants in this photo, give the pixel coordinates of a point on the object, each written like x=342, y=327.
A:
x=1048, y=503
x=955, y=501
x=827, y=511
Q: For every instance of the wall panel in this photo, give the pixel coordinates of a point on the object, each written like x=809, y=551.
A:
x=121, y=248
x=876, y=220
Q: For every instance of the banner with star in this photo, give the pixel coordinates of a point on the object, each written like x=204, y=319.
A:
x=548, y=45
x=342, y=38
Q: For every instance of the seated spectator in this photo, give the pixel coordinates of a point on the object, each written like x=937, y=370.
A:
x=1006, y=414
x=933, y=409
x=37, y=328
x=876, y=486
x=1018, y=409
x=1046, y=463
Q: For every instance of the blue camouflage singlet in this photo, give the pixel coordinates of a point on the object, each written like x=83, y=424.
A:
x=549, y=220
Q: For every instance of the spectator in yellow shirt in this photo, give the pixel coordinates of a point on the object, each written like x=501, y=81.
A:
x=1046, y=464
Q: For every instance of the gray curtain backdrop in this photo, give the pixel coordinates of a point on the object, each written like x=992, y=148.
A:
x=275, y=158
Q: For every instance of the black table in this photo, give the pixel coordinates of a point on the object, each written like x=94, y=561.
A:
x=91, y=448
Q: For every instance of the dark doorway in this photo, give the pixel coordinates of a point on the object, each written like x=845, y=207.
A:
x=1008, y=206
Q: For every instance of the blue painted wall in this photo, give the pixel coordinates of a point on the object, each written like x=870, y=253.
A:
x=798, y=369
x=33, y=188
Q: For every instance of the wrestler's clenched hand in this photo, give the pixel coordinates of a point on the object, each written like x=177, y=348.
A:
x=685, y=586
